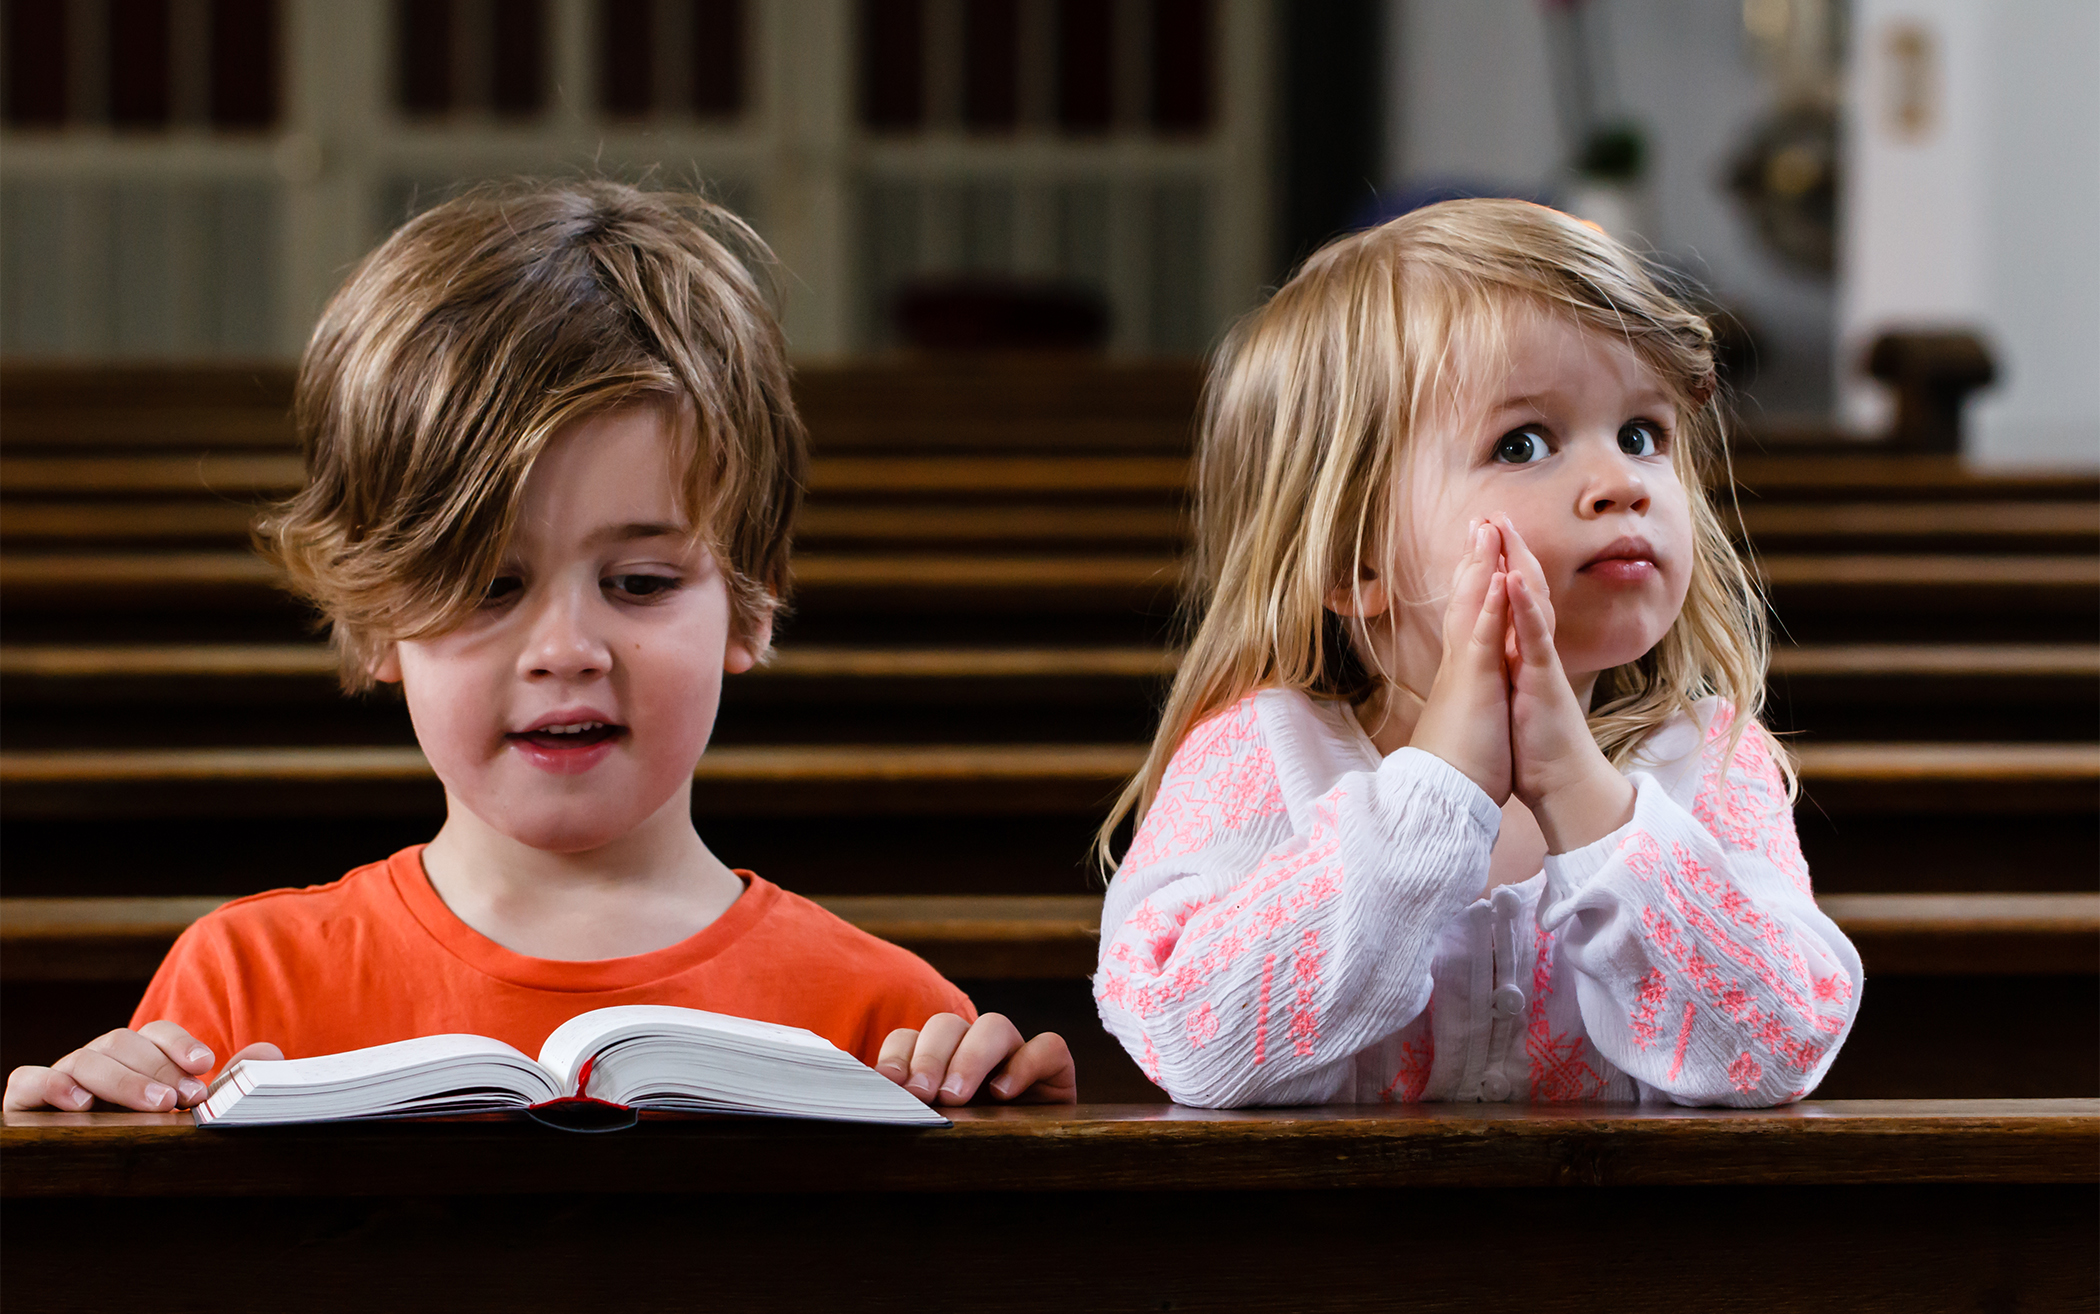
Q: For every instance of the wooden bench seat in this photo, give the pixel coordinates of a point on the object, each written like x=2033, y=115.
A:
x=920, y=779
x=260, y=475
x=1999, y=527
x=1928, y=526
x=1865, y=661
x=145, y=695
x=1905, y=477
x=1035, y=937
x=1922, y=584
x=1940, y=1204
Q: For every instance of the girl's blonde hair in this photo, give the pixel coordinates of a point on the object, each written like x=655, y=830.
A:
x=1308, y=411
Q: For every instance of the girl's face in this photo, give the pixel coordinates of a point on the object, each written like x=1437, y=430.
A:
x=1573, y=443
x=570, y=709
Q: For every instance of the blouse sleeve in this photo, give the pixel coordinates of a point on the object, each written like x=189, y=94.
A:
x=1703, y=967
x=1246, y=959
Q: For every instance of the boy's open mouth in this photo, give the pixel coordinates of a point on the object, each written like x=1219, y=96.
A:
x=575, y=734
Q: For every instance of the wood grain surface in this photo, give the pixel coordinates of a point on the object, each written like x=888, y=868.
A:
x=1051, y=1148
x=1053, y=936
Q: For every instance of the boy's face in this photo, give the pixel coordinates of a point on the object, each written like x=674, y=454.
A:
x=572, y=706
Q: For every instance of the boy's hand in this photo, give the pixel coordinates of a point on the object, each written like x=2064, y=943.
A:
x=947, y=1059
x=153, y=1070
x=1556, y=769
x=1466, y=719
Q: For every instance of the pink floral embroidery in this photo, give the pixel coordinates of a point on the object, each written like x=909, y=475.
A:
x=1261, y=1019
x=1220, y=778
x=1202, y=1026
x=1743, y=803
x=1559, y=1072
x=1795, y=1050
x=1149, y=1063
x=1745, y=1072
x=1305, y=1010
x=1321, y=881
x=1654, y=990
x=1417, y=1056
x=1684, y=1038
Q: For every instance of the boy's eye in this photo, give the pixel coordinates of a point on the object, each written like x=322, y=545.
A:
x=641, y=586
x=1639, y=438
x=502, y=589
x=1521, y=447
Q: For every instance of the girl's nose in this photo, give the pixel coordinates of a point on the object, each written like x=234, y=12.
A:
x=1612, y=483
x=562, y=644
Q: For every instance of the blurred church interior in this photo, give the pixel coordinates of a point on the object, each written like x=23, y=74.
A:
x=186, y=179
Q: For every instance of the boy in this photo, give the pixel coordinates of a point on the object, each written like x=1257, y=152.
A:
x=553, y=469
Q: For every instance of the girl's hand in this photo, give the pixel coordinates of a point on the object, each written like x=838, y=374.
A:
x=1466, y=719
x=155, y=1069
x=1556, y=768
x=945, y=1061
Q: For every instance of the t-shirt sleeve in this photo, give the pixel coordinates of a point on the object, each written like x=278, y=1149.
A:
x=194, y=989
x=913, y=993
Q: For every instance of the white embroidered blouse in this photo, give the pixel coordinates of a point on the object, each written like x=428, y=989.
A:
x=1300, y=922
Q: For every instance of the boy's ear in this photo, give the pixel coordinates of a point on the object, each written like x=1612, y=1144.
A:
x=385, y=666
x=743, y=650
x=1362, y=598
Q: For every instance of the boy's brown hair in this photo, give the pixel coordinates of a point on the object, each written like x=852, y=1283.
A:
x=477, y=331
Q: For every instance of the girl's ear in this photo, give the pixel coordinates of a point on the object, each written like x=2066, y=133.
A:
x=1364, y=598
x=385, y=665
x=742, y=652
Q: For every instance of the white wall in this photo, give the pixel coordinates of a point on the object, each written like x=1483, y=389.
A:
x=1987, y=217
x=1470, y=95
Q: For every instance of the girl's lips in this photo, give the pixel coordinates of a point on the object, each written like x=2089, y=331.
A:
x=1621, y=570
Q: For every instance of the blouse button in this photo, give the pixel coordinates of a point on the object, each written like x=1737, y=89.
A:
x=1508, y=1000
x=1494, y=1088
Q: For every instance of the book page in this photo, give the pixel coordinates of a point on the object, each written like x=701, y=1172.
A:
x=585, y=1034
x=358, y=1066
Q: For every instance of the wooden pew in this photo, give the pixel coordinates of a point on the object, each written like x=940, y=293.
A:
x=2001, y=528
x=1997, y=527
x=1039, y=937
x=1932, y=586
x=56, y=694
x=1944, y=1204
x=855, y=779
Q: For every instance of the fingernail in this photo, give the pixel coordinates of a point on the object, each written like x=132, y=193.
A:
x=921, y=1086
x=79, y=1098
x=191, y=1088
x=954, y=1089
x=157, y=1094
x=200, y=1055
x=1003, y=1087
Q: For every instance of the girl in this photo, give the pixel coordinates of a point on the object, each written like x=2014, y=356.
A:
x=1459, y=794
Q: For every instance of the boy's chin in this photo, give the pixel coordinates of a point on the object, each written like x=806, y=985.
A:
x=584, y=831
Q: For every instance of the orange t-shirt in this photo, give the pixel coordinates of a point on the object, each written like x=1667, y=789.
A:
x=378, y=957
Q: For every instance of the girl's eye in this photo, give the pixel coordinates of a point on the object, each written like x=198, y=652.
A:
x=1521, y=447
x=641, y=586
x=501, y=590
x=1639, y=438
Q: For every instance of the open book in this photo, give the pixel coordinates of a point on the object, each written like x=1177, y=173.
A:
x=594, y=1069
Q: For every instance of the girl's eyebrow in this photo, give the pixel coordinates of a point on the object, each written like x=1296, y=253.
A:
x=1652, y=397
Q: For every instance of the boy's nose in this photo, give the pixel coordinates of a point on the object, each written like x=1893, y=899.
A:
x=563, y=646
